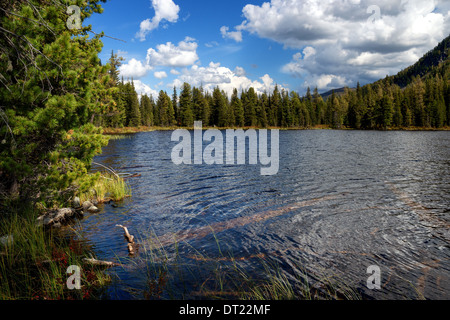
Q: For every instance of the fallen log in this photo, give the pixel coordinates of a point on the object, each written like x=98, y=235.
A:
x=136, y=175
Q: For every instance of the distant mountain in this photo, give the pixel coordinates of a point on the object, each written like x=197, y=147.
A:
x=432, y=61
x=328, y=94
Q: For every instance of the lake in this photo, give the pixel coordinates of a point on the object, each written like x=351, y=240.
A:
x=342, y=201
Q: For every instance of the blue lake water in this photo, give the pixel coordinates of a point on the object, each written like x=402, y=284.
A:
x=341, y=201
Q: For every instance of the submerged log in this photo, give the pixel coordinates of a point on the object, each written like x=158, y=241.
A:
x=100, y=263
x=136, y=175
x=131, y=248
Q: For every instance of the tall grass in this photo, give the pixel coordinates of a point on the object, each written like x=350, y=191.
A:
x=33, y=264
x=107, y=187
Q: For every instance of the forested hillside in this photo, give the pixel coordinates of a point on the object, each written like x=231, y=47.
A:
x=428, y=65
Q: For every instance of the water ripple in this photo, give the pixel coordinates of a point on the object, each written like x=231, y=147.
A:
x=341, y=201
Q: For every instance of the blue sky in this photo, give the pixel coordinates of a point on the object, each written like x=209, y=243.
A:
x=292, y=43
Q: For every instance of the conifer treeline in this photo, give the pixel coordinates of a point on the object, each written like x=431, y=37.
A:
x=423, y=103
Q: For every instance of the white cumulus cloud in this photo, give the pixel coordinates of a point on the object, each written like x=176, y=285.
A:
x=134, y=69
x=226, y=79
x=344, y=41
x=160, y=74
x=164, y=10
x=170, y=55
x=142, y=88
x=235, y=35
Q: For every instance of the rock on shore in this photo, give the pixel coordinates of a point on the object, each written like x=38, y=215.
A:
x=55, y=217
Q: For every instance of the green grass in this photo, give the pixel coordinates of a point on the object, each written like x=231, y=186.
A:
x=118, y=136
x=33, y=265
x=109, y=186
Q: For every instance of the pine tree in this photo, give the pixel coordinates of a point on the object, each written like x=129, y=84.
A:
x=162, y=107
x=344, y=105
x=249, y=103
x=369, y=102
x=185, y=106
x=146, y=111
x=135, y=117
x=116, y=116
x=397, y=119
x=210, y=101
x=287, y=118
x=301, y=115
x=263, y=104
x=170, y=112
x=438, y=109
x=418, y=91
x=236, y=105
x=52, y=88
x=334, y=111
x=352, y=115
x=447, y=95
x=387, y=111
x=132, y=108
x=115, y=62
x=406, y=111
x=220, y=108
x=231, y=115
x=206, y=108
x=310, y=107
x=175, y=106
x=275, y=106
x=197, y=105
x=319, y=106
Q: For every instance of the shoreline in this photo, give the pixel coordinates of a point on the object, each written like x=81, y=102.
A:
x=132, y=130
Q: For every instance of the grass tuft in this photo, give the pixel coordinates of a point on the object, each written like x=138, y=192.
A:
x=107, y=187
x=34, y=262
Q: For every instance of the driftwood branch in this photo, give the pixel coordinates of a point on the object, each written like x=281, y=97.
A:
x=130, y=238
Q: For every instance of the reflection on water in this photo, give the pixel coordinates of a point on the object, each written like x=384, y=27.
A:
x=341, y=202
